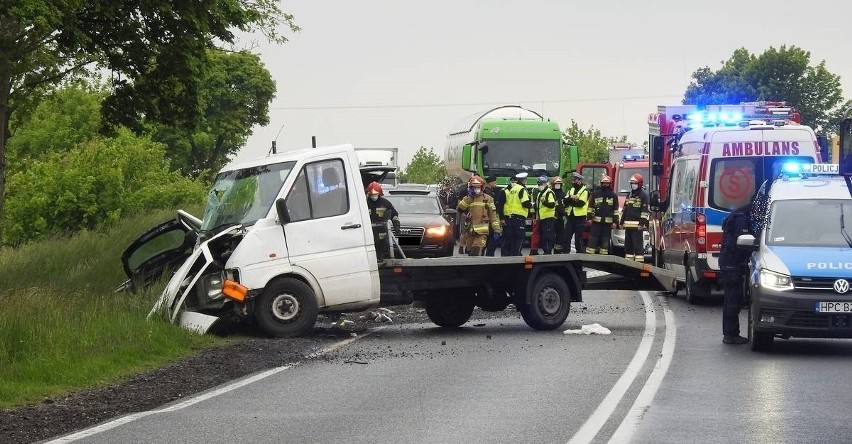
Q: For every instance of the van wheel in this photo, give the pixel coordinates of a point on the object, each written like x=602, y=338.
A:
x=286, y=308
x=550, y=303
x=449, y=314
x=694, y=292
x=760, y=341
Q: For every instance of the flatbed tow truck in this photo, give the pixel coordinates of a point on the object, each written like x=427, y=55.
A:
x=288, y=236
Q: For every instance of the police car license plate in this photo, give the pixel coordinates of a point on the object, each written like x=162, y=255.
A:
x=834, y=307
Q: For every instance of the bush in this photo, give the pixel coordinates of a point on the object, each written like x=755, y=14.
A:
x=93, y=184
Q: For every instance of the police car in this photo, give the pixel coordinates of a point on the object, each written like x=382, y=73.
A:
x=801, y=269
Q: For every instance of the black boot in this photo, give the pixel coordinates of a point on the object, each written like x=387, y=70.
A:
x=475, y=251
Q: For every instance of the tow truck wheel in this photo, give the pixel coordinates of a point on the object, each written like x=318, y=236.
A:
x=286, y=308
x=449, y=314
x=760, y=340
x=550, y=303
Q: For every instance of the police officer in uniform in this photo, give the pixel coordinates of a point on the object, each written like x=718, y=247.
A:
x=545, y=213
x=733, y=264
x=603, y=214
x=559, y=226
x=480, y=209
x=576, y=210
x=381, y=211
x=516, y=210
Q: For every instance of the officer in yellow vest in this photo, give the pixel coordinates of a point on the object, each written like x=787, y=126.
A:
x=576, y=210
x=516, y=210
x=545, y=209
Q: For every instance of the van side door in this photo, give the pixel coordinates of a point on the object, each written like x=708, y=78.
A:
x=326, y=234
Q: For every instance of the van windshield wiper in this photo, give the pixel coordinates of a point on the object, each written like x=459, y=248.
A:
x=843, y=227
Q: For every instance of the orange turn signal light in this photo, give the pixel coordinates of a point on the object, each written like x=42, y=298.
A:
x=234, y=290
x=528, y=263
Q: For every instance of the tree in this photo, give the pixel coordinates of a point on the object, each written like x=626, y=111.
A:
x=234, y=96
x=777, y=74
x=425, y=167
x=156, y=49
x=591, y=144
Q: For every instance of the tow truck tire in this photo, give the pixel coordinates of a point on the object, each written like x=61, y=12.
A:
x=695, y=292
x=760, y=341
x=449, y=314
x=286, y=308
x=550, y=303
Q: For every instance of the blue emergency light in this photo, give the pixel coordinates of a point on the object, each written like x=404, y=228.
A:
x=698, y=119
x=632, y=157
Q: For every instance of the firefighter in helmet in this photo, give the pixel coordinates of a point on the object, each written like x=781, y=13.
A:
x=634, y=219
x=603, y=213
x=559, y=227
x=381, y=211
x=482, y=213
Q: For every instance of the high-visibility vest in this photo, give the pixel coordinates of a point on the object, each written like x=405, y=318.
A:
x=514, y=201
x=583, y=195
x=545, y=196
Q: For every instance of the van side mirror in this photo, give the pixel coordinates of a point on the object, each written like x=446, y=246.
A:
x=747, y=242
x=281, y=209
x=465, y=158
x=655, y=203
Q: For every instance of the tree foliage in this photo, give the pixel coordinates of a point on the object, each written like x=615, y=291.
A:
x=64, y=118
x=425, y=167
x=784, y=74
x=93, y=183
x=156, y=50
x=234, y=96
x=591, y=144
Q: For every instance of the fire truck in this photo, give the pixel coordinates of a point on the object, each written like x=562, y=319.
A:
x=624, y=160
x=705, y=162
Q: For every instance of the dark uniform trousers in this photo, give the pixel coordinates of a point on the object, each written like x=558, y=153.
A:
x=513, y=236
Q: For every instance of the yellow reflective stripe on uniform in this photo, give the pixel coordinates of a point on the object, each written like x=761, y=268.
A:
x=631, y=224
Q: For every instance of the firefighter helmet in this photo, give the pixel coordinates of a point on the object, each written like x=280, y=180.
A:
x=636, y=178
x=605, y=179
x=374, y=188
x=475, y=182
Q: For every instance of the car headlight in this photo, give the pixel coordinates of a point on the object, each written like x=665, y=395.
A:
x=437, y=231
x=213, y=285
x=777, y=281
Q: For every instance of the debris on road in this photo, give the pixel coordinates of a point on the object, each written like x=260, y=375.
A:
x=592, y=329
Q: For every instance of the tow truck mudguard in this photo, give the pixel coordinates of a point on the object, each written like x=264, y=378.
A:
x=567, y=272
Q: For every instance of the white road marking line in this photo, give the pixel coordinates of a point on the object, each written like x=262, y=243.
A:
x=196, y=399
x=601, y=414
x=628, y=426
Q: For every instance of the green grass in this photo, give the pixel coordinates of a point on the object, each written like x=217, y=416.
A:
x=63, y=328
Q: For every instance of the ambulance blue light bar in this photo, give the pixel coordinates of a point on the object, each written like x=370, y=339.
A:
x=633, y=157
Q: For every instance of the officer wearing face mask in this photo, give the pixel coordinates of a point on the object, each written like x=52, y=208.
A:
x=381, y=211
x=479, y=208
x=576, y=208
x=559, y=225
x=634, y=219
x=545, y=213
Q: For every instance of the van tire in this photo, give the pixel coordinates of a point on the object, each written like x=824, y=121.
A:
x=550, y=303
x=286, y=308
x=694, y=291
x=449, y=314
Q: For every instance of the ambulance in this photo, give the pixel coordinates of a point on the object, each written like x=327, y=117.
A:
x=801, y=272
x=705, y=163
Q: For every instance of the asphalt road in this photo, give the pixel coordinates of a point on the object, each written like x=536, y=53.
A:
x=662, y=376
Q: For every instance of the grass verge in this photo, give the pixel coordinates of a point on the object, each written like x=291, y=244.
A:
x=62, y=327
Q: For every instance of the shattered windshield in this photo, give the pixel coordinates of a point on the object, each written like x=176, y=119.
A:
x=787, y=227
x=243, y=196
x=509, y=157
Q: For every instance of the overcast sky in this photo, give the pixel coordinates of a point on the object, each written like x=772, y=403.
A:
x=391, y=73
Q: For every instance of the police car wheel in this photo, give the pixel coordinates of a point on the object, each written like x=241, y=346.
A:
x=549, y=303
x=760, y=341
x=449, y=314
x=286, y=308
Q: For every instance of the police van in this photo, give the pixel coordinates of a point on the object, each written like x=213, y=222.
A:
x=713, y=171
x=801, y=268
